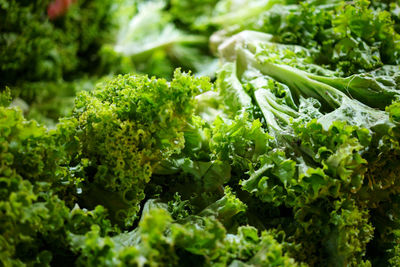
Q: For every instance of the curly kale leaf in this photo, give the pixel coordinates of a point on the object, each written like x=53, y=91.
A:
x=120, y=132
x=351, y=37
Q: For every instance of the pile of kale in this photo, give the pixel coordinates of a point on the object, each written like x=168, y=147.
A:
x=266, y=133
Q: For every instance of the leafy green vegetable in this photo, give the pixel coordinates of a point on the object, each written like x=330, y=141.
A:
x=288, y=154
x=154, y=45
x=34, y=218
x=34, y=48
x=322, y=160
x=132, y=116
x=350, y=36
x=159, y=240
